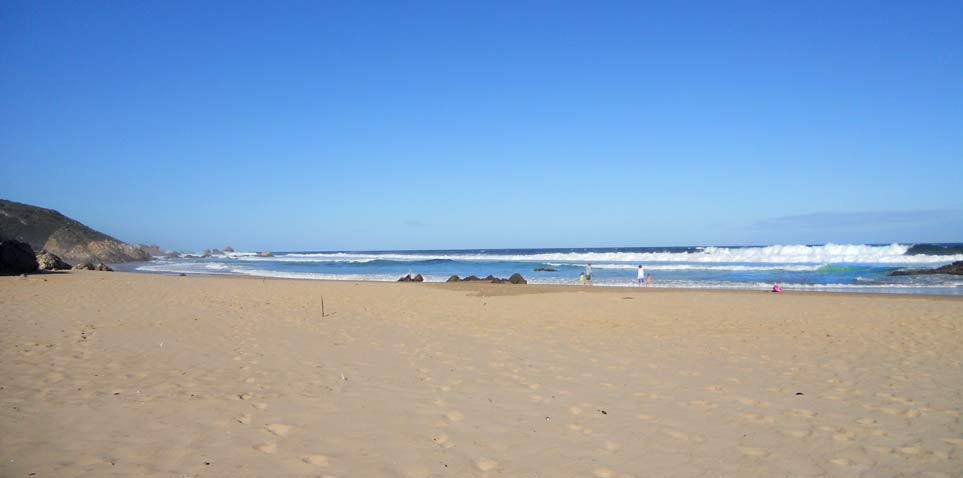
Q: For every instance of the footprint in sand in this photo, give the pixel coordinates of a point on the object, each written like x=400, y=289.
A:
x=279, y=429
x=801, y=412
x=243, y=419
x=954, y=441
x=753, y=451
x=259, y=406
x=455, y=416
x=759, y=419
x=603, y=473
x=752, y=402
x=646, y=418
x=844, y=436
x=267, y=447
x=485, y=464
x=678, y=435
x=442, y=440
x=317, y=460
x=797, y=432
x=703, y=404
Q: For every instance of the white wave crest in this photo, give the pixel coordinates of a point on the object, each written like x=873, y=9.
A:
x=778, y=254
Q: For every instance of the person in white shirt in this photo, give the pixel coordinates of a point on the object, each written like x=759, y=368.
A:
x=641, y=275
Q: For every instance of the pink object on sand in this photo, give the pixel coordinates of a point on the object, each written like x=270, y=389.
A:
x=776, y=288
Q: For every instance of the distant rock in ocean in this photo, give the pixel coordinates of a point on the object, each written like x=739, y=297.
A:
x=50, y=262
x=955, y=268
x=935, y=250
x=17, y=258
x=544, y=269
x=46, y=229
x=228, y=249
x=265, y=254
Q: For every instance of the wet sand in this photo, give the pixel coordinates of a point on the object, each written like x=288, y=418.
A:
x=105, y=374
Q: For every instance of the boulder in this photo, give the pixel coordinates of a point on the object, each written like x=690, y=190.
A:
x=84, y=266
x=955, y=268
x=174, y=255
x=216, y=252
x=471, y=278
x=409, y=278
x=453, y=278
x=103, y=267
x=50, y=262
x=17, y=258
x=228, y=249
x=265, y=254
x=517, y=278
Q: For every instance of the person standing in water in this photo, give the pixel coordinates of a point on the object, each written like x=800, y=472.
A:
x=641, y=275
x=588, y=273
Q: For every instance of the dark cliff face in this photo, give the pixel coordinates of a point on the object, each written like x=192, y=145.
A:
x=48, y=229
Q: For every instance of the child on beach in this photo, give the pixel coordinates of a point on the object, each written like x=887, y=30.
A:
x=581, y=278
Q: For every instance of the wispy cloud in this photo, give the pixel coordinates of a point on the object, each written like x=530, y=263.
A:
x=842, y=220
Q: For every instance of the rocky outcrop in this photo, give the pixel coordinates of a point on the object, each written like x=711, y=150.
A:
x=50, y=262
x=228, y=249
x=65, y=237
x=17, y=258
x=516, y=278
x=955, y=268
x=265, y=254
x=87, y=266
x=172, y=255
x=409, y=278
x=544, y=269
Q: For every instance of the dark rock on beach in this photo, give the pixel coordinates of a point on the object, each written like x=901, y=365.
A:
x=84, y=266
x=517, y=278
x=955, y=268
x=409, y=278
x=103, y=267
x=50, y=262
x=17, y=258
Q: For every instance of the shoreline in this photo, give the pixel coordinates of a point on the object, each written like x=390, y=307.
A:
x=575, y=287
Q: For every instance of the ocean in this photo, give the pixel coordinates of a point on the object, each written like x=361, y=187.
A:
x=827, y=267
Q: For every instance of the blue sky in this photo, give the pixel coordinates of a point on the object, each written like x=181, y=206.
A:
x=350, y=125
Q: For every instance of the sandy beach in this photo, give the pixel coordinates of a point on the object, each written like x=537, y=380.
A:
x=122, y=374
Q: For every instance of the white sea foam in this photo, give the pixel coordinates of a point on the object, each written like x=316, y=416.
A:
x=779, y=254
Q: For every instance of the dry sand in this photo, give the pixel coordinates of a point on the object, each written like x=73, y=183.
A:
x=113, y=374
